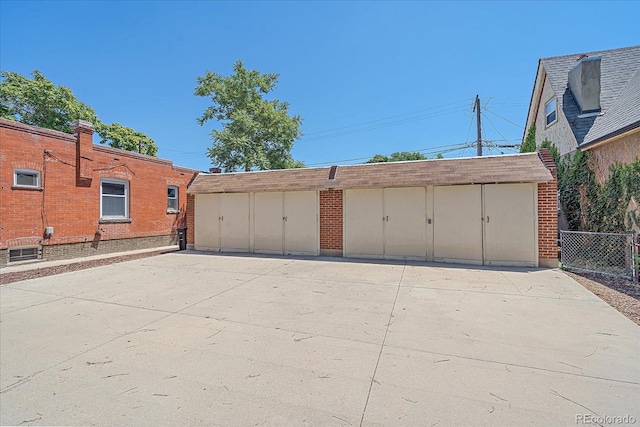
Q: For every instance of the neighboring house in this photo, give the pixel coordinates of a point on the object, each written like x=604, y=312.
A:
x=590, y=102
x=63, y=197
x=493, y=210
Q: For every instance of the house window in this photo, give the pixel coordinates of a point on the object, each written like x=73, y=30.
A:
x=26, y=178
x=114, y=199
x=24, y=254
x=172, y=199
x=550, y=111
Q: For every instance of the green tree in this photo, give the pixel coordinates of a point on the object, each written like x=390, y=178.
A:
x=256, y=133
x=529, y=144
x=399, y=156
x=40, y=102
x=125, y=138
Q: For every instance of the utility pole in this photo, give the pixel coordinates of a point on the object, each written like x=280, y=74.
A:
x=476, y=109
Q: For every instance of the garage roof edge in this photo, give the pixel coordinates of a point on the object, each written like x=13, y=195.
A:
x=528, y=167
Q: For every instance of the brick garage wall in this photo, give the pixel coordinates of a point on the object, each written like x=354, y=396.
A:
x=71, y=207
x=191, y=221
x=331, y=222
x=548, y=215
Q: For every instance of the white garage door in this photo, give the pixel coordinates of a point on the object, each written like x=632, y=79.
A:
x=457, y=224
x=389, y=223
x=405, y=223
x=286, y=222
x=510, y=224
x=207, y=222
x=301, y=228
x=267, y=223
x=363, y=227
x=234, y=222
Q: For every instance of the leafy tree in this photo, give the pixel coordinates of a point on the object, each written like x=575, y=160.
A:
x=123, y=137
x=40, y=102
x=256, y=133
x=399, y=156
x=529, y=144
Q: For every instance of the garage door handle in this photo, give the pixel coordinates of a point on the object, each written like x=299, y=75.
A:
x=385, y=218
x=284, y=218
x=487, y=220
x=221, y=218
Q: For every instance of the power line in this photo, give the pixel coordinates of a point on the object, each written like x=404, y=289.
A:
x=493, y=126
x=379, y=126
x=384, y=118
x=426, y=151
x=506, y=120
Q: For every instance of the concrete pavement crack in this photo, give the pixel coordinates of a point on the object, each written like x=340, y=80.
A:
x=386, y=331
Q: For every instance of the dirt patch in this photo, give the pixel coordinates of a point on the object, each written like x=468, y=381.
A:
x=80, y=265
x=619, y=293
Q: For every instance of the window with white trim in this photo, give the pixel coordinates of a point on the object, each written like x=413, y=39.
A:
x=114, y=199
x=550, y=111
x=26, y=178
x=172, y=199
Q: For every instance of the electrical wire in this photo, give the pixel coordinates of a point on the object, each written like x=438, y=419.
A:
x=385, y=118
x=426, y=151
x=506, y=120
x=492, y=125
x=379, y=126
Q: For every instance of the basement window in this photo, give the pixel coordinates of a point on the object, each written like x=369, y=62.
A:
x=114, y=199
x=550, y=111
x=25, y=254
x=26, y=178
x=172, y=199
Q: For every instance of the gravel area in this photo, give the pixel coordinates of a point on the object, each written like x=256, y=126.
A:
x=621, y=294
x=81, y=265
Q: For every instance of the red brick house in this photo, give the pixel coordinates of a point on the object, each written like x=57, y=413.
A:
x=61, y=196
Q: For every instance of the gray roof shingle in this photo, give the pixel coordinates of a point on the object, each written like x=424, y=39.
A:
x=619, y=93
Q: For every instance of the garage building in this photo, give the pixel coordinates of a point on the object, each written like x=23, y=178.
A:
x=494, y=210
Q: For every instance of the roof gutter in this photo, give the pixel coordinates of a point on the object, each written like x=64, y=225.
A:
x=620, y=133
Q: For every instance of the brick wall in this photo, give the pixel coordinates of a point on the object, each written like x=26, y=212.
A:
x=331, y=222
x=71, y=205
x=548, y=215
x=191, y=221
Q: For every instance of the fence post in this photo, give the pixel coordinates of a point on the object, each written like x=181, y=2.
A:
x=636, y=259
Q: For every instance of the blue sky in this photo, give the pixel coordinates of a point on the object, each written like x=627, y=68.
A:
x=366, y=77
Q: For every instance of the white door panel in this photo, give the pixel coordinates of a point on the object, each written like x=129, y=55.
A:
x=405, y=223
x=457, y=223
x=267, y=222
x=301, y=222
x=207, y=223
x=234, y=222
x=510, y=224
x=363, y=216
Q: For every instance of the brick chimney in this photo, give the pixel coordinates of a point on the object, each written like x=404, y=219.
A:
x=215, y=170
x=584, y=83
x=84, y=152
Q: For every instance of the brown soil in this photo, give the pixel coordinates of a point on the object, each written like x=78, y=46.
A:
x=621, y=294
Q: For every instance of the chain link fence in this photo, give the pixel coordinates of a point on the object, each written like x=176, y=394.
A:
x=605, y=253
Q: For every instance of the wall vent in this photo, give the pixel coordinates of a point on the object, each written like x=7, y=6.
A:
x=332, y=172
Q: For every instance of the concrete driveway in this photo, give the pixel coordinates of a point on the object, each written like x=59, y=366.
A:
x=201, y=339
